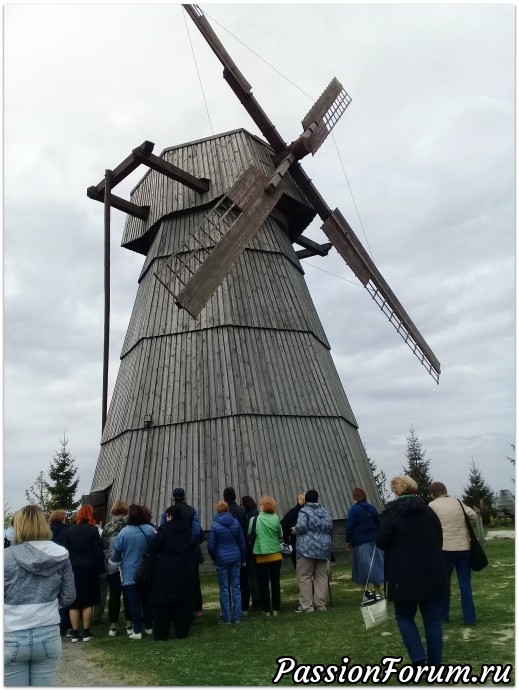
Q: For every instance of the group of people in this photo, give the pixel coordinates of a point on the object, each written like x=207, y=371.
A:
x=413, y=548
x=52, y=571
x=245, y=543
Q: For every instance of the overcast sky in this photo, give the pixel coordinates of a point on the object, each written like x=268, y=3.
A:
x=426, y=148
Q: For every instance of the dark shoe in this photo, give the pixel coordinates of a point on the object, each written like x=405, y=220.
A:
x=87, y=636
x=75, y=636
x=368, y=598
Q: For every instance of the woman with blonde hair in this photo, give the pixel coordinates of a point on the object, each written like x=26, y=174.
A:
x=38, y=580
x=86, y=557
x=411, y=537
x=267, y=551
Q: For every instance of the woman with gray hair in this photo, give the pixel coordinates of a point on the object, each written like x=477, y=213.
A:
x=410, y=535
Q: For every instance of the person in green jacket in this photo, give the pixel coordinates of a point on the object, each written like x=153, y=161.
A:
x=267, y=552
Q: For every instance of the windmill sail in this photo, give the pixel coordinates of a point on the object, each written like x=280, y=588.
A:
x=326, y=112
x=245, y=206
x=328, y=108
x=338, y=231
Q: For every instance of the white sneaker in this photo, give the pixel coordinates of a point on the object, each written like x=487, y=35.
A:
x=148, y=631
x=112, y=632
x=129, y=631
x=275, y=613
x=135, y=636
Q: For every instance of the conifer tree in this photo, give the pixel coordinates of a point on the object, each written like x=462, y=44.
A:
x=418, y=466
x=478, y=491
x=380, y=480
x=39, y=494
x=62, y=472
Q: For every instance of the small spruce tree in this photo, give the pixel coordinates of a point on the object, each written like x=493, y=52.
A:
x=380, y=480
x=418, y=466
x=39, y=494
x=62, y=472
x=478, y=493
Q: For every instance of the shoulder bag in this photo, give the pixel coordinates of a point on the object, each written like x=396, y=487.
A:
x=478, y=558
x=144, y=574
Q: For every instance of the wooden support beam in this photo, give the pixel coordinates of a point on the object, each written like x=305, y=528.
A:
x=311, y=248
x=120, y=204
x=200, y=185
x=128, y=165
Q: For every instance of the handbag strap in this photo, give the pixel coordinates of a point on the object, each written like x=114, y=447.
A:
x=253, y=530
x=144, y=533
x=470, y=529
x=369, y=572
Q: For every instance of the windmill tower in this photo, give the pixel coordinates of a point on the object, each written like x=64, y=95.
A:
x=237, y=387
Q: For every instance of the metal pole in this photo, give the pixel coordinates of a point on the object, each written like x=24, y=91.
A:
x=106, y=340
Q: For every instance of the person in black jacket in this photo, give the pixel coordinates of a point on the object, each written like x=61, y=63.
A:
x=411, y=537
x=290, y=520
x=174, y=585
x=83, y=543
x=190, y=515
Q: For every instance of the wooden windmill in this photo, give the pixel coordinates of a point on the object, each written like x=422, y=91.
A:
x=237, y=386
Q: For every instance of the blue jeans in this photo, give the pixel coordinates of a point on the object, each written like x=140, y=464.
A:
x=230, y=602
x=140, y=610
x=461, y=561
x=31, y=657
x=405, y=612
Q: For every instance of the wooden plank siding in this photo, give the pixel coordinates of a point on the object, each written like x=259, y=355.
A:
x=246, y=395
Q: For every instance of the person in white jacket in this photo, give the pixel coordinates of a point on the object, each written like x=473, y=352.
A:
x=38, y=581
x=456, y=548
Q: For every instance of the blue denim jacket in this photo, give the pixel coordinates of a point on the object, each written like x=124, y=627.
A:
x=129, y=546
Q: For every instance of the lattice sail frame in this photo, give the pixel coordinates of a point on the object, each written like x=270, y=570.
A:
x=324, y=115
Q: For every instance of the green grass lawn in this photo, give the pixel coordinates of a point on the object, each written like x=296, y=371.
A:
x=246, y=654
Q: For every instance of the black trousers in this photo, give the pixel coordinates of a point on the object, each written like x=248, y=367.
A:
x=199, y=601
x=269, y=573
x=180, y=614
x=115, y=589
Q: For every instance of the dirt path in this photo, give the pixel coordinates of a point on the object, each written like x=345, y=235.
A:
x=78, y=669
